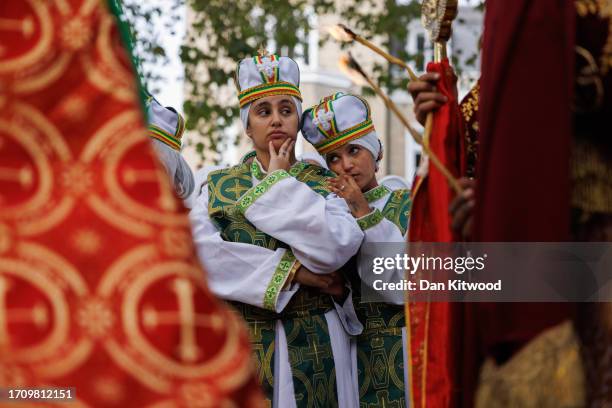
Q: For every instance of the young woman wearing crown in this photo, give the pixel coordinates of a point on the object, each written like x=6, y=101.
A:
x=341, y=129
x=271, y=235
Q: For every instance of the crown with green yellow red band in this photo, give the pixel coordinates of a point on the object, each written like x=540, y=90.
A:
x=345, y=137
x=165, y=124
x=335, y=121
x=268, y=89
x=267, y=75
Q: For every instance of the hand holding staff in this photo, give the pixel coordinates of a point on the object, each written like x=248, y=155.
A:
x=344, y=34
x=358, y=75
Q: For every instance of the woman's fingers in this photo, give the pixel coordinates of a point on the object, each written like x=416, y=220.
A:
x=337, y=181
x=417, y=87
x=337, y=192
x=285, y=146
x=305, y=277
x=271, y=149
x=351, y=181
x=341, y=185
x=335, y=289
x=318, y=281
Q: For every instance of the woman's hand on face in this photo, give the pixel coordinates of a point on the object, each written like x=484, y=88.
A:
x=282, y=159
x=426, y=98
x=346, y=187
x=462, y=209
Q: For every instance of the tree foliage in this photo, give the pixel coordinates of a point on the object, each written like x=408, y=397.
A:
x=222, y=32
x=149, y=24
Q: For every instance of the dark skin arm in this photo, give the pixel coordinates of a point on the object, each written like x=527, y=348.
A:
x=331, y=284
x=425, y=95
x=462, y=209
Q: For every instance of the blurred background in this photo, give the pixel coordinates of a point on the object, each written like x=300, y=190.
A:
x=187, y=52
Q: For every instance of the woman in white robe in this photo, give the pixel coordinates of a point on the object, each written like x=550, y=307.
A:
x=271, y=235
x=341, y=129
x=165, y=128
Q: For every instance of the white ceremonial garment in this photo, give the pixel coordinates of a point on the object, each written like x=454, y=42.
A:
x=384, y=231
x=323, y=236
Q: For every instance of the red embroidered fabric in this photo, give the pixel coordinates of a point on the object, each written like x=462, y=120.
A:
x=100, y=287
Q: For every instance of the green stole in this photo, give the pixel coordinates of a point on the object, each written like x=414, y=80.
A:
x=380, y=348
x=308, y=341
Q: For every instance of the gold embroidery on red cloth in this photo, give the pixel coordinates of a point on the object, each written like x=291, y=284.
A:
x=139, y=278
x=40, y=206
x=117, y=200
x=603, y=9
x=77, y=204
x=53, y=282
x=106, y=73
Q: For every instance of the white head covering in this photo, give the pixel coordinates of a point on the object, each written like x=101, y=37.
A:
x=394, y=182
x=315, y=157
x=341, y=119
x=266, y=75
x=166, y=127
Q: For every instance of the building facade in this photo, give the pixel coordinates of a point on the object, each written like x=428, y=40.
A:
x=321, y=76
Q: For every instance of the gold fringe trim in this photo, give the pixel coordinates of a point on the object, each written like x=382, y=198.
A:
x=591, y=177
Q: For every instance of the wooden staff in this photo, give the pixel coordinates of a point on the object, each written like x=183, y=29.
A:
x=437, y=17
x=350, y=66
x=344, y=34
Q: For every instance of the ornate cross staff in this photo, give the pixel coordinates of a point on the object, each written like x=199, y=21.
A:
x=437, y=17
x=354, y=71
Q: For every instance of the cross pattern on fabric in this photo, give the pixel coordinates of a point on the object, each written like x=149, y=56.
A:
x=268, y=67
x=323, y=119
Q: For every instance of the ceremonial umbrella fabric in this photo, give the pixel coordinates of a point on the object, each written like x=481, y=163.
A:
x=433, y=325
x=100, y=287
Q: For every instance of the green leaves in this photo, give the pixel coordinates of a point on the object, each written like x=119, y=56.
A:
x=222, y=32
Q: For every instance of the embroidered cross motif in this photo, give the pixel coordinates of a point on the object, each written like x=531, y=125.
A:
x=267, y=66
x=323, y=119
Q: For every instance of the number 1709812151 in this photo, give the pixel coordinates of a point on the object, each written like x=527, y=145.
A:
x=37, y=394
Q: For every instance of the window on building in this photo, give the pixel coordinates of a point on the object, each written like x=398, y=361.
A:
x=305, y=52
x=420, y=57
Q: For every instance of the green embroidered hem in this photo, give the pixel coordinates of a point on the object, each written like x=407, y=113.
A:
x=249, y=155
x=256, y=171
x=257, y=191
x=294, y=171
x=278, y=280
x=370, y=220
x=310, y=352
x=376, y=193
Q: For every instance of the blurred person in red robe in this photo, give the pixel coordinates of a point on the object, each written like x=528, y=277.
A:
x=527, y=191
x=100, y=287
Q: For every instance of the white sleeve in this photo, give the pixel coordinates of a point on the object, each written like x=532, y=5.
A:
x=321, y=231
x=377, y=230
x=241, y=272
x=380, y=229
